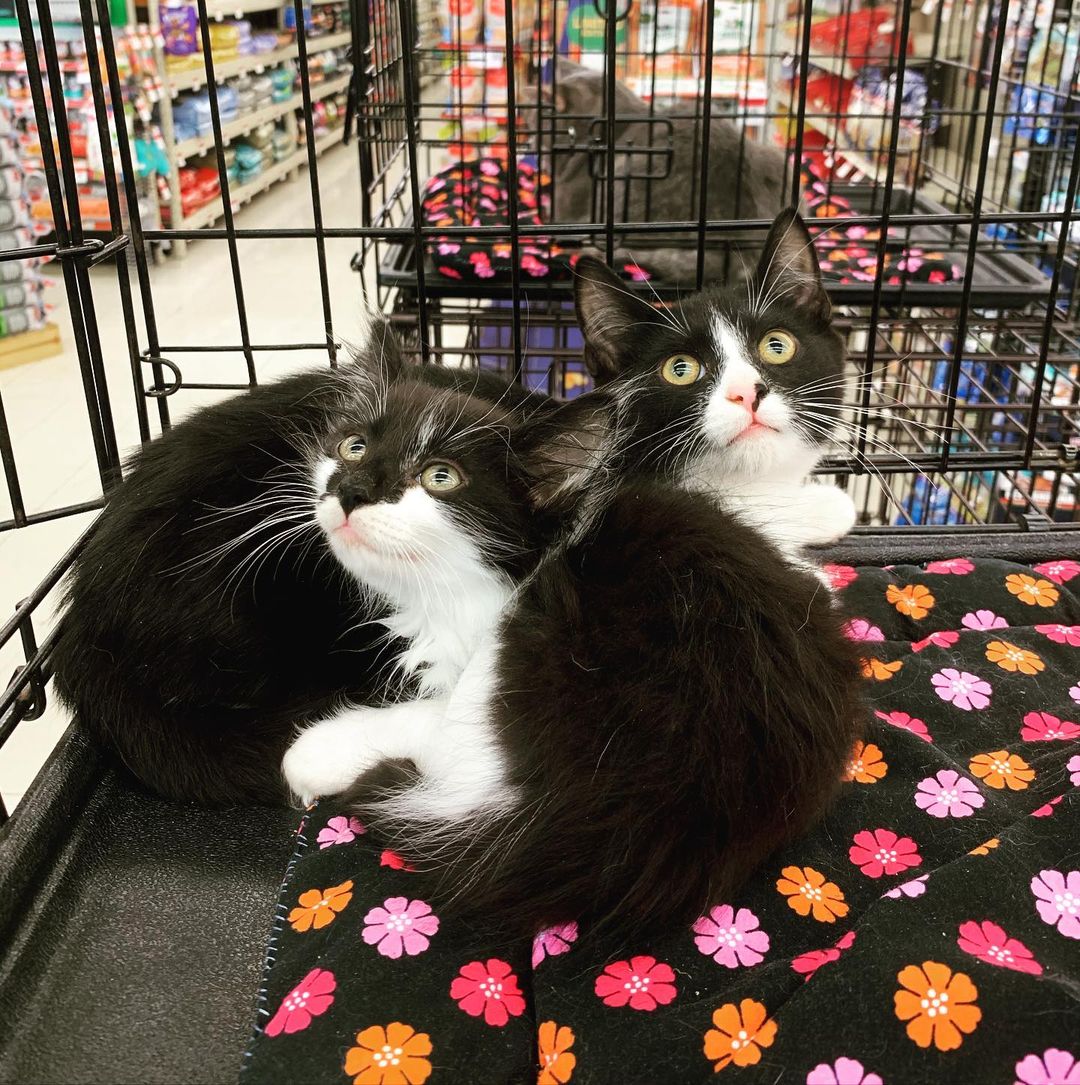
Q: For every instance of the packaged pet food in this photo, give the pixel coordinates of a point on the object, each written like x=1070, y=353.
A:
x=180, y=30
x=662, y=37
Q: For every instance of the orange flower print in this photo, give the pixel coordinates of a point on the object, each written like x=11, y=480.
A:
x=807, y=891
x=390, y=1055
x=938, y=1005
x=865, y=765
x=317, y=908
x=557, y=1061
x=740, y=1034
x=914, y=600
x=1002, y=769
x=875, y=668
x=1034, y=592
x=985, y=849
x=1013, y=659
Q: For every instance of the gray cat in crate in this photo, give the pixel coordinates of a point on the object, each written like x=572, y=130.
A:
x=746, y=178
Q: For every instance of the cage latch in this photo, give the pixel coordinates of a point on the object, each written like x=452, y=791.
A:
x=161, y=391
x=1033, y=520
x=93, y=250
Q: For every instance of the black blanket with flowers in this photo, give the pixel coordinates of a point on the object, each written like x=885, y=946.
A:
x=928, y=930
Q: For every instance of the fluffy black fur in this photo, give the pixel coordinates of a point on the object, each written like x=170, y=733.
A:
x=676, y=700
x=197, y=633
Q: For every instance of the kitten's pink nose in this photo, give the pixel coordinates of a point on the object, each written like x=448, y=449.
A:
x=748, y=394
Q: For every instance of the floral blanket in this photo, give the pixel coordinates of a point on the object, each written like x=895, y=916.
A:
x=928, y=930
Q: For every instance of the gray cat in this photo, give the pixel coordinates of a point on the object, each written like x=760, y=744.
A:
x=746, y=179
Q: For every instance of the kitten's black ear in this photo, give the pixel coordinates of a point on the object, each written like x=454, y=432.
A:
x=381, y=357
x=789, y=268
x=569, y=450
x=607, y=313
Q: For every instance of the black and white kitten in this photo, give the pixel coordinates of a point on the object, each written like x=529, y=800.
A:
x=664, y=701
x=206, y=615
x=733, y=393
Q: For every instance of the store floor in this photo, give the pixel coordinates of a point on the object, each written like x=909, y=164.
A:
x=194, y=302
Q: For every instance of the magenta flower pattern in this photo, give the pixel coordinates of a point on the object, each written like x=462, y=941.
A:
x=553, y=941
x=1061, y=634
x=881, y=851
x=1057, y=900
x=312, y=996
x=906, y=722
x=1043, y=727
x=991, y=944
x=642, y=983
x=340, y=830
x=400, y=926
x=731, y=938
x=948, y=795
x=1053, y=1067
x=955, y=566
x=1060, y=572
x=961, y=689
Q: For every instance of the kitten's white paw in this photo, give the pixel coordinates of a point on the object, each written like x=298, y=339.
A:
x=833, y=513
x=328, y=756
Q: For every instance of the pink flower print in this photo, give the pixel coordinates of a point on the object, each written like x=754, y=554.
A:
x=912, y=889
x=1052, y=1067
x=955, y=566
x=400, y=926
x=643, y=983
x=448, y=248
x=861, y=629
x=553, y=942
x=481, y=265
x=1074, y=770
x=1043, y=727
x=449, y=272
x=636, y=273
x=948, y=794
x=489, y=990
x=312, y=996
x=991, y=944
x=857, y=232
x=1060, y=571
x=807, y=964
x=1058, y=900
x=881, y=851
x=936, y=276
x=1074, y=692
x=946, y=638
x=340, y=830
x=533, y=266
x=844, y=1071
x=1047, y=809
x=983, y=619
x=961, y=688
x=840, y=576
x=489, y=168
x=905, y=723
x=436, y=183
x=1061, y=634
x=731, y=938
x=394, y=861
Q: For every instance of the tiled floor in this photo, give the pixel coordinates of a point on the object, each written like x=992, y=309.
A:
x=194, y=302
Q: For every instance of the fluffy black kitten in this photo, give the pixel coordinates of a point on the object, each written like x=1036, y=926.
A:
x=206, y=616
x=733, y=393
x=665, y=701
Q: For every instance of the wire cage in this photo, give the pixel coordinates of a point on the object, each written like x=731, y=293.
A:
x=933, y=149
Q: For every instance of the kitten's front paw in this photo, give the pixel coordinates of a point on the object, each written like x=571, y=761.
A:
x=327, y=757
x=833, y=513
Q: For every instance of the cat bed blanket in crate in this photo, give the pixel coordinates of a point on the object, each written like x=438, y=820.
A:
x=928, y=930
x=476, y=193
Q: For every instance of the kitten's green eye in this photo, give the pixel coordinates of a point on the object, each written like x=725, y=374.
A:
x=681, y=369
x=352, y=449
x=441, y=478
x=777, y=347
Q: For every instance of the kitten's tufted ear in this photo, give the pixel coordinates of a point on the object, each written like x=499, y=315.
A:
x=380, y=358
x=569, y=450
x=789, y=270
x=608, y=313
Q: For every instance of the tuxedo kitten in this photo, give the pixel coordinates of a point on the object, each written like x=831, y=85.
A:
x=663, y=702
x=733, y=393
x=207, y=614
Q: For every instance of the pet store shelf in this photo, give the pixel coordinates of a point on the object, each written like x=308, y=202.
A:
x=237, y=9
x=196, y=77
x=191, y=148
x=29, y=346
x=680, y=86
x=242, y=194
